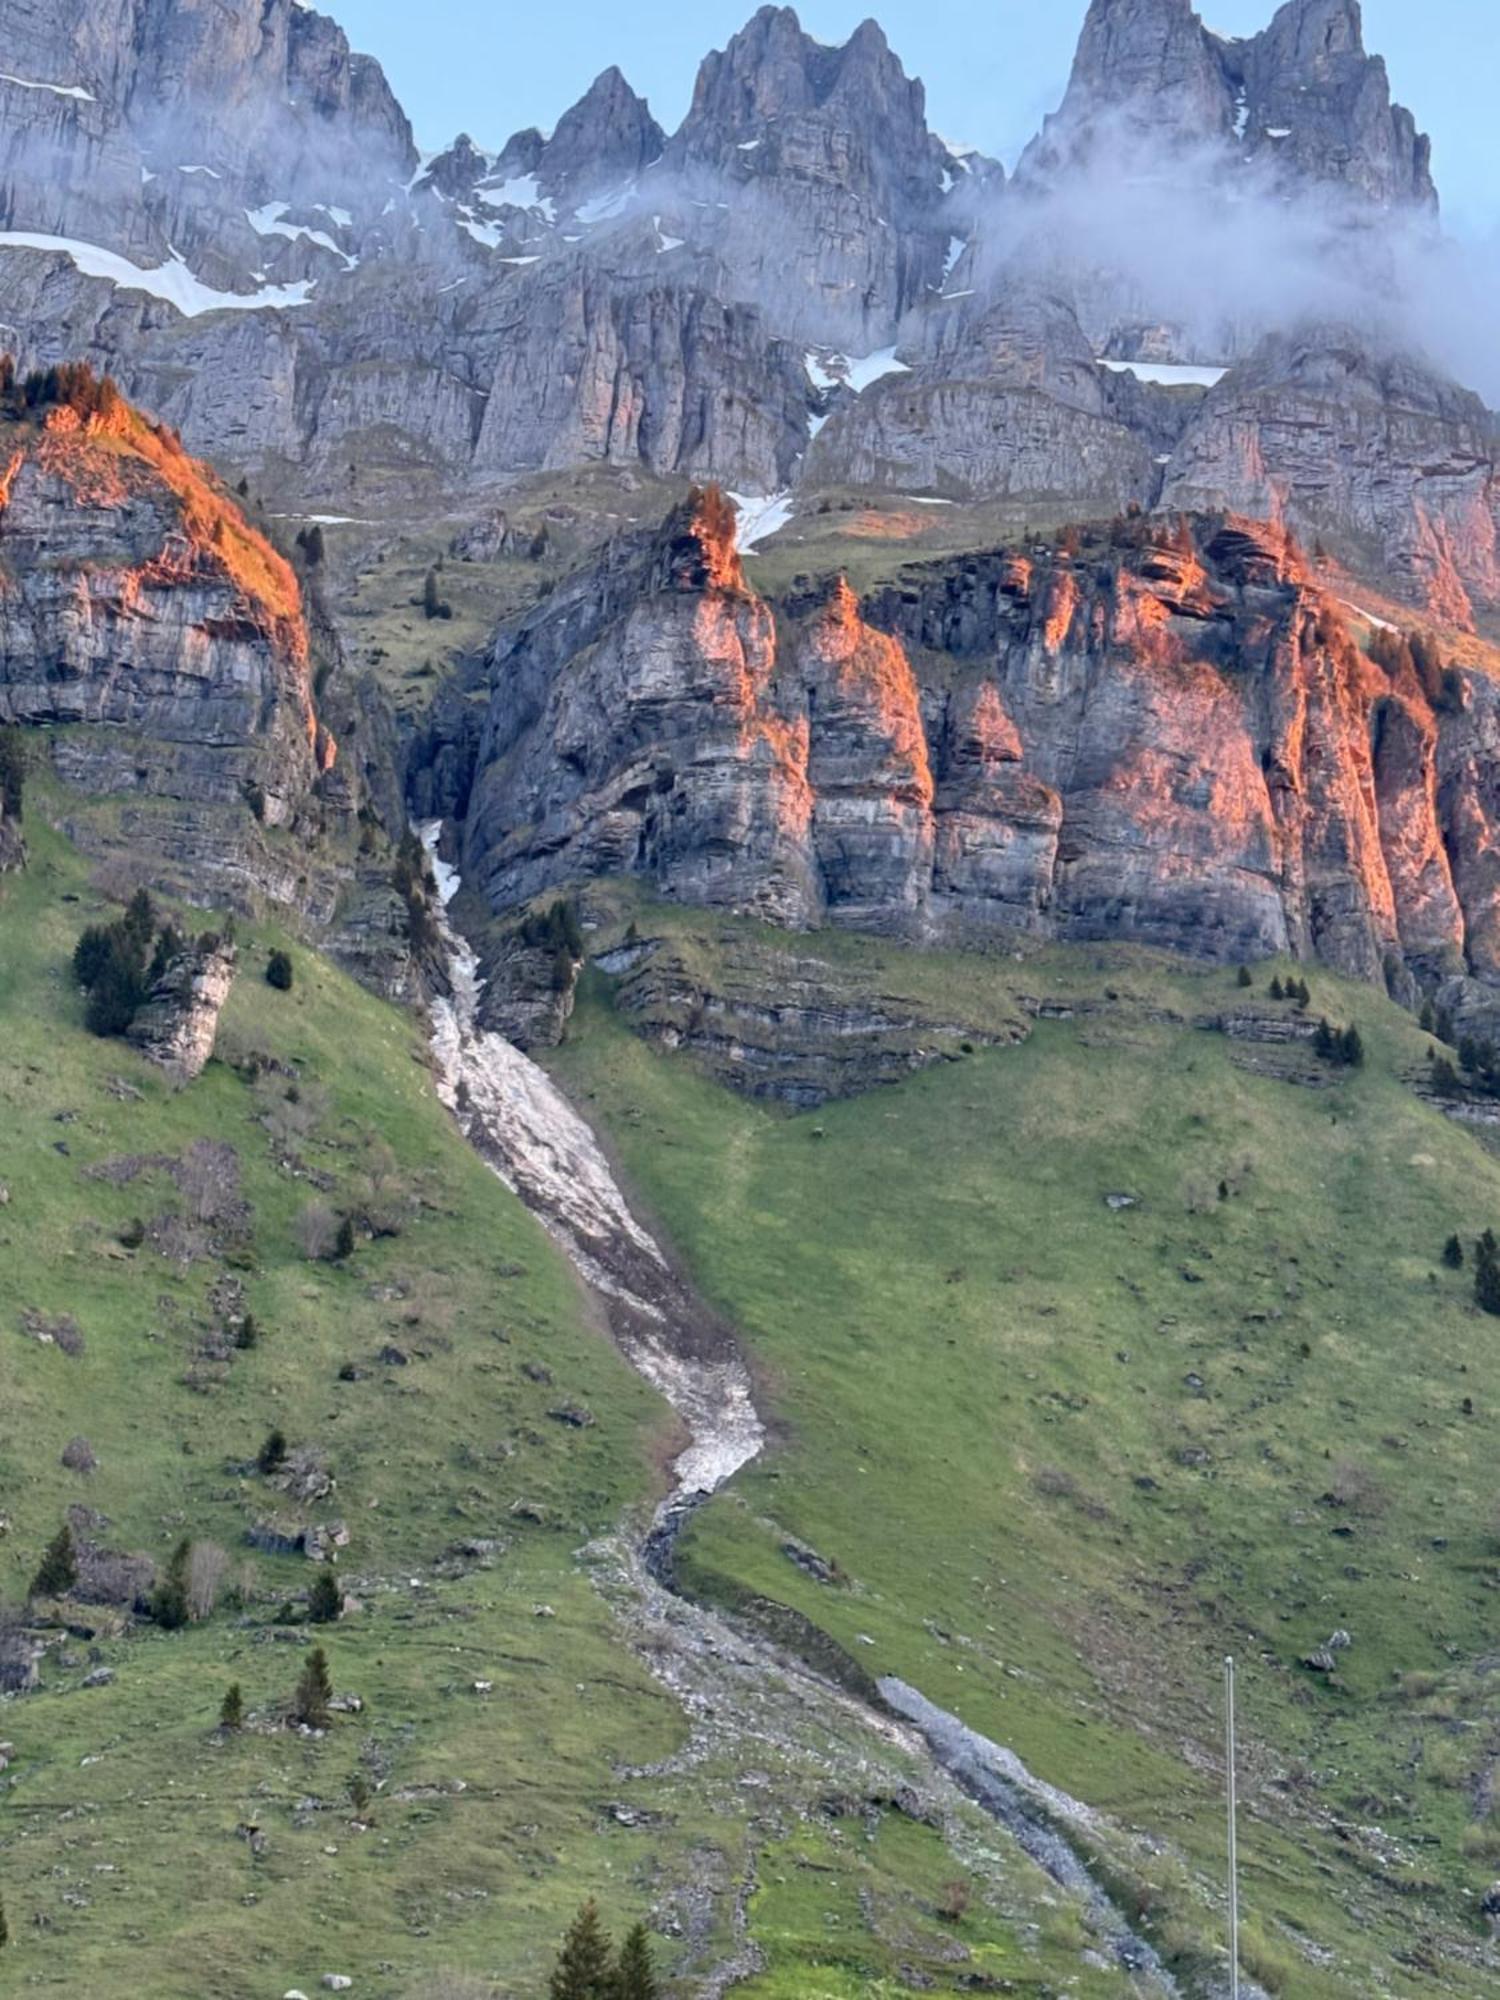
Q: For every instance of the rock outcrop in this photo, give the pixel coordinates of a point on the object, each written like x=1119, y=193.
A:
x=176, y=1026
x=1159, y=733
x=158, y=637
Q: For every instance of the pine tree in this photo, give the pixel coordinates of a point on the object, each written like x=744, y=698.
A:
x=584, y=1969
x=1352, y=1048
x=636, y=1978
x=1444, y=1077
x=1242, y=977
x=272, y=1454
x=57, y=1572
x=1487, y=1276
x=169, y=1601
x=1453, y=1254
x=1426, y=1020
x=12, y=774
x=325, y=1601
x=343, y=1242
x=232, y=1708
x=1276, y=990
x=1325, y=1041
x=4, y=1926
x=314, y=1692
x=279, y=971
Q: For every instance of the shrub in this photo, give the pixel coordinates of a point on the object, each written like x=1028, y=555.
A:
x=954, y=1901
x=279, y=971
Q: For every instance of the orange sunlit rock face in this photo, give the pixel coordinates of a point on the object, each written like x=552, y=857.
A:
x=1165, y=733
x=138, y=595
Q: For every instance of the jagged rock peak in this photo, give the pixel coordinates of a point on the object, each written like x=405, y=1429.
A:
x=1303, y=96
x=773, y=69
x=608, y=135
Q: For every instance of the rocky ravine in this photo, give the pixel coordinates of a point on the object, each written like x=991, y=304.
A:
x=1166, y=735
x=738, y=1691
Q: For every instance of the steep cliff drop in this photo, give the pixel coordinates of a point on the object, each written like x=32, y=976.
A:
x=533, y=1139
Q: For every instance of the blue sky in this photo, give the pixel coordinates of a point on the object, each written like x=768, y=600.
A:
x=992, y=67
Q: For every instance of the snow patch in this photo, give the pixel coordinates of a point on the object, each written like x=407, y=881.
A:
x=267, y=221
x=956, y=248
x=868, y=368
x=74, y=90
x=1278, y=131
x=1169, y=374
x=521, y=191
x=663, y=241
x=172, y=281
x=761, y=515
x=605, y=207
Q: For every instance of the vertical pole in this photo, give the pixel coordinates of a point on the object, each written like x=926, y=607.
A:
x=1234, y=1855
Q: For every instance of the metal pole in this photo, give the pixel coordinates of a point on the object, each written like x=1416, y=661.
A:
x=1234, y=1853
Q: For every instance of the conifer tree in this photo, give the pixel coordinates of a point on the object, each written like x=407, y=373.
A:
x=636, y=1978
x=1453, y=1254
x=4, y=1926
x=1276, y=989
x=232, y=1708
x=325, y=1601
x=169, y=1601
x=57, y=1572
x=585, y=1967
x=272, y=1453
x=1242, y=977
x=314, y=1692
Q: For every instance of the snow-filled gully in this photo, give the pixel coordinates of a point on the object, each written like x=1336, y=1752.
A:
x=535, y=1141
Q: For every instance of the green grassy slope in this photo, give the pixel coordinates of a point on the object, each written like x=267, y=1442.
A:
x=1066, y=1455
x=118, y=1832
x=142, y=1854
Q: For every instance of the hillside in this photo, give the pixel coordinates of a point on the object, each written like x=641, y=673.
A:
x=533, y=1726
x=1106, y=1354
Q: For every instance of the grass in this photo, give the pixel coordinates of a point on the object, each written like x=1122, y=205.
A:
x=502, y=1712
x=123, y=1861
x=1067, y=1455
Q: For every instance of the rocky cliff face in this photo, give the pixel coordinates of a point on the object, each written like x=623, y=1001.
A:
x=1168, y=736
x=224, y=207
x=147, y=623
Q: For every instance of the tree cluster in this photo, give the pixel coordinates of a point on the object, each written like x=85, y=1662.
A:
x=555, y=930
x=70, y=385
x=1343, y=1047
x=1296, y=990
x=118, y=964
x=588, y=1967
x=310, y=545
x=413, y=883
x=12, y=774
x=1487, y=1273
x=1414, y=654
